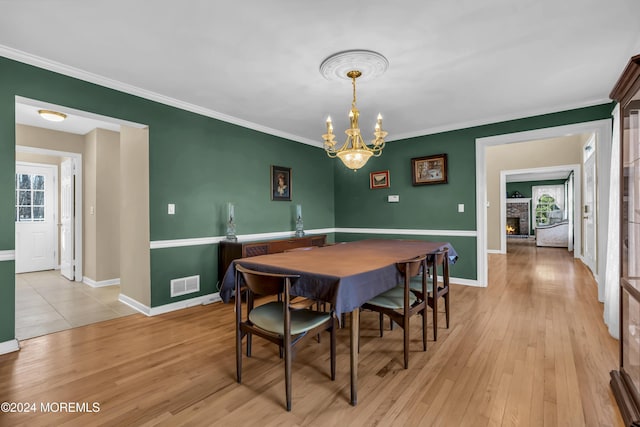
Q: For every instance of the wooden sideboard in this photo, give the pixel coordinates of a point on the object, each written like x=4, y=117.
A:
x=228, y=251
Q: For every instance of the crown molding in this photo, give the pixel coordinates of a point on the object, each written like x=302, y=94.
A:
x=87, y=76
x=498, y=119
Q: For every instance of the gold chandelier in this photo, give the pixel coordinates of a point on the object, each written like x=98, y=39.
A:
x=354, y=153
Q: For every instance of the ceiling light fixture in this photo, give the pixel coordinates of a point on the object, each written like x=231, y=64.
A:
x=354, y=153
x=52, y=116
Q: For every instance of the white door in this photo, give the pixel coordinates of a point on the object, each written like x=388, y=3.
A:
x=67, y=218
x=569, y=195
x=35, y=217
x=589, y=243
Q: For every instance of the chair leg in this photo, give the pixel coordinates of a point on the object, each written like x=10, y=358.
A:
x=333, y=350
x=287, y=375
x=435, y=317
x=381, y=317
x=319, y=307
x=238, y=355
x=406, y=343
x=424, y=328
x=249, y=345
x=446, y=308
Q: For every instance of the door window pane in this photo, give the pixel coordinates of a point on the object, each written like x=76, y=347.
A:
x=30, y=197
x=38, y=182
x=24, y=213
x=38, y=213
x=25, y=198
x=38, y=198
x=24, y=181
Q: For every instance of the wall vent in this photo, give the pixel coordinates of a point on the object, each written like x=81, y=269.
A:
x=185, y=285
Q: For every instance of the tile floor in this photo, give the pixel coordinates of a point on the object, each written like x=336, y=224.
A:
x=46, y=302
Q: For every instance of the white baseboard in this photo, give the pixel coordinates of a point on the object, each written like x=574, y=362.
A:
x=9, y=346
x=179, y=305
x=494, y=251
x=101, y=283
x=466, y=282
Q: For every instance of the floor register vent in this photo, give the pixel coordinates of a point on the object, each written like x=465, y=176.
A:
x=185, y=285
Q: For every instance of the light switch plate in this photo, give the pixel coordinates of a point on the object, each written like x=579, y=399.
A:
x=460, y=207
x=171, y=209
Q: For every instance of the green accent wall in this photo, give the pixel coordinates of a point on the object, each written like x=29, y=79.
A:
x=196, y=162
x=433, y=207
x=7, y=300
x=464, y=268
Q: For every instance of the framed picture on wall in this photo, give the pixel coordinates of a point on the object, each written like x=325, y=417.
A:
x=379, y=179
x=429, y=169
x=280, y=183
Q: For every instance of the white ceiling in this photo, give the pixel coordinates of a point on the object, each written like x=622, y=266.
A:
x=538, y=176
x=76, y=122
x=256, y=63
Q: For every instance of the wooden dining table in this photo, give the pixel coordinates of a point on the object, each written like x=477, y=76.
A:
x=344, y=274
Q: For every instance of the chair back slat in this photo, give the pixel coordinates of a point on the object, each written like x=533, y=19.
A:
x=439, y=259
x=264, y=283
x=411, y=267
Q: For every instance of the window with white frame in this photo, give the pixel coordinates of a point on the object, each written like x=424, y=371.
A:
x=548, y=204
x=30, y=204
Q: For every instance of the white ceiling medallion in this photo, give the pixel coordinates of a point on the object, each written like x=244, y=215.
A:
x=370, y=64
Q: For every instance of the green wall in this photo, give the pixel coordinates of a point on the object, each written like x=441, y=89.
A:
x=465, y=248
x=196, y=162
x=434, y=207
x=200, y=164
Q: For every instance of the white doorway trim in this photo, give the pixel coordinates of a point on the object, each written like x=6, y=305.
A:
x=576, y=201
x=51, y=218
x=77, y=158
x=601, y=127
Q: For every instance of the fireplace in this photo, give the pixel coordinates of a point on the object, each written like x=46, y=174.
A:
x=513, y=226
x=517, y=215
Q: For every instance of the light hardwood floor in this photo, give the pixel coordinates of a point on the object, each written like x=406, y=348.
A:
x=531, y=349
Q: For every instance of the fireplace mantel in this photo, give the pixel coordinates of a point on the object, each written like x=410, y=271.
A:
x=519, y=200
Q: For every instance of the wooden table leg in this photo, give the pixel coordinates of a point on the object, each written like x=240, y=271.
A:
x=355, y=336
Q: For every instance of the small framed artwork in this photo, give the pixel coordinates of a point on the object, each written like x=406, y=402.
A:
x=429, y=169
x=379, y=179
x=280, y=183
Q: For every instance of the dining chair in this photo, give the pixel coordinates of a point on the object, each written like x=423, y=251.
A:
x=400, y=304
x=285, y=323
x=437, y=264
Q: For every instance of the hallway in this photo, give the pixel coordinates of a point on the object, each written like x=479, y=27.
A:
x=46, y=302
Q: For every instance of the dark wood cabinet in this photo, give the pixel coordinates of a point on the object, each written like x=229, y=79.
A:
x=625, y=381
x=228, y=251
